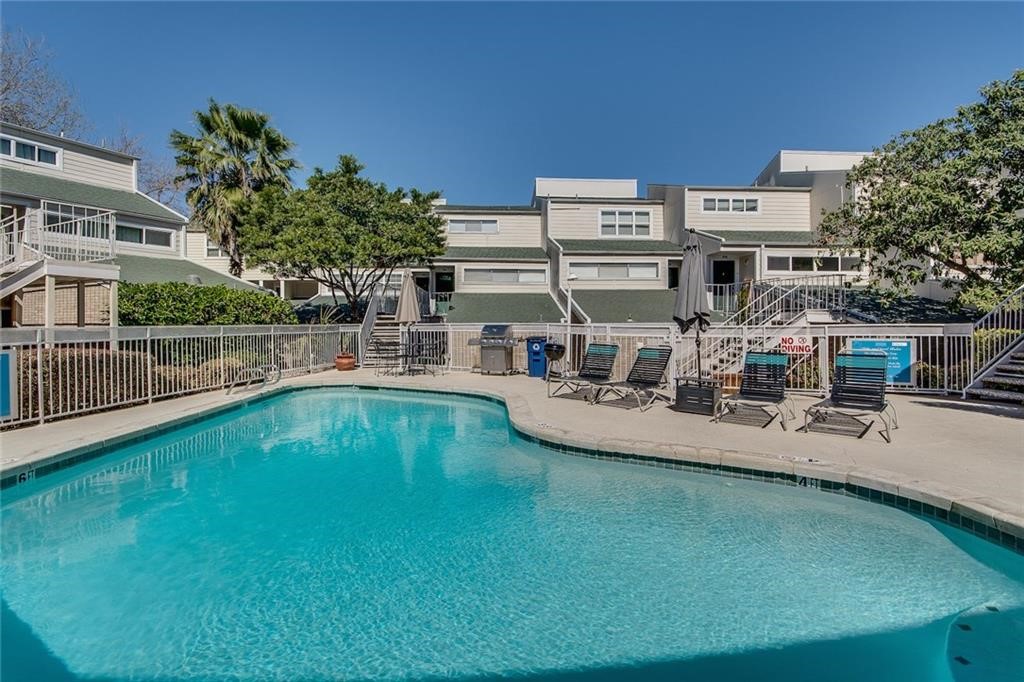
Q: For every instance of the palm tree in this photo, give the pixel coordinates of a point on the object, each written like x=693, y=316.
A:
x=235, y=154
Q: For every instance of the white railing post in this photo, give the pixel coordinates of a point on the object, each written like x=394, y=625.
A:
x=149, y=364
x=39, y=375
x=223, y=363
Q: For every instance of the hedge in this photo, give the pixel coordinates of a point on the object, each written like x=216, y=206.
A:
x=181, y=304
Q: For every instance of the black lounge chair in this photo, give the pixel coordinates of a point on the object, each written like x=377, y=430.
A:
x=763, y=388
x=858, y=392
x=596, y=367
x=646, y=379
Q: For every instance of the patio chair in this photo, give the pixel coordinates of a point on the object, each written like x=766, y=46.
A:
x=387, y=356
x=596, y=367
x=646, y=379
x=763, y=388
x=858, y=392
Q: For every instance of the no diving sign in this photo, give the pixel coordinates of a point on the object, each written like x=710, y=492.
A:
x=796, y=345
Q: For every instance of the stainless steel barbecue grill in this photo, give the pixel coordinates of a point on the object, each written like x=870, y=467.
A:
x=496, y=347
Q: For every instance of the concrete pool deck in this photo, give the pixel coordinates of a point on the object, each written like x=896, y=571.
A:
x=963, y=457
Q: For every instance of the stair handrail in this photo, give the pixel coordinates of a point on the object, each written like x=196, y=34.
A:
x=369, y=319
x=1007, y=315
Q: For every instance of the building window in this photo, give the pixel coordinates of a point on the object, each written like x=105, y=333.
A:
x=730, y=205
x=473, y=226
x=28, y=151
x=503, y=276
x=150, y=236
x=127, y=233
x=612, y=271
x=812, y=264
x=68, y=219
x=213, y=250
x=625, y=223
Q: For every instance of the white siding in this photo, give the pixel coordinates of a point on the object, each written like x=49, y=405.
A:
x=660, y=283
x=779, y=210
x=585, y=188
x=195, y=250
x=78, y=164
x=583, y=221
x=478, y=288
x=513, y=230
x=804, y=161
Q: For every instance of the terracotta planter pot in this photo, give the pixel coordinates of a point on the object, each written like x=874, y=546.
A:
x=345, y=362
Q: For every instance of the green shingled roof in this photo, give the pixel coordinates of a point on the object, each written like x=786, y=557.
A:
x=488, y=308
x=144, y=269
x=613, y=245
x=609, y=306
x=494, y=253
x=794, y=237
x=37, y=186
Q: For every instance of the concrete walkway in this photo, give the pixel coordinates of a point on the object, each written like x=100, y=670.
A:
x=948, y=453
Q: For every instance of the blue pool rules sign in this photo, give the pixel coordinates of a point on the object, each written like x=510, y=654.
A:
x=900, y=353
x=9, y=402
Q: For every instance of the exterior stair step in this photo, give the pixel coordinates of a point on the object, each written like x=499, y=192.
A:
x=1011, y=368
x=997, y=395
x=1005, y=380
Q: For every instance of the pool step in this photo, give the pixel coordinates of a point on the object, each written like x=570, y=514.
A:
x=983, y=644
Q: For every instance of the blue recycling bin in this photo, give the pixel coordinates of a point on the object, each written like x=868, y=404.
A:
x=536, y=361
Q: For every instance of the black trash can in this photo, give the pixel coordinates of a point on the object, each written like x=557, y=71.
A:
x=536, y=361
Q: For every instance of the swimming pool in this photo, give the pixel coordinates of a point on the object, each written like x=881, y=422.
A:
x=346, y=534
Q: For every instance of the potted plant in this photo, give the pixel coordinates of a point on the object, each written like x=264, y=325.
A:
x=345, y=362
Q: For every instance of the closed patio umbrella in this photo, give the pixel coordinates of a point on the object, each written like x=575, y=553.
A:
x=408, y=304
x=691, y=309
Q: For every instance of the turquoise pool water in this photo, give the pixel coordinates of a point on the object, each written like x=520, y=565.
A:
x=345, y=534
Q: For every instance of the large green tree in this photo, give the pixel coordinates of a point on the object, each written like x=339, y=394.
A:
x=944, y=201
x=344, y=231
x=235, y=153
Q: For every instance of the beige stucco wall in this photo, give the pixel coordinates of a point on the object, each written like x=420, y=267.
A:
x=779, y=210
x=513, y=230
x=567, y=220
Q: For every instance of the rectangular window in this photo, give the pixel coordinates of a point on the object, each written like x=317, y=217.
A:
x=25, y=151
x=849, y=264
x=614, y=271
x=158, y=237
x=473, y=226
x=803, y=263
x=503, y=276
x=213, y=250
x=778, y=263
x=47, y=156
x=5, y=146
x=828, y=264
x=729, y=205
x=126, y=233
x=625, y=223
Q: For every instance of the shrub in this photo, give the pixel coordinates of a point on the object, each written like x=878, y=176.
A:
x=181, y=304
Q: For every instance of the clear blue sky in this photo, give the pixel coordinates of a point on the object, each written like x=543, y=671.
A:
x=478, y=99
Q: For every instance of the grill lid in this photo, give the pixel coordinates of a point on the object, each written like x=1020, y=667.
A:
x=496, y=331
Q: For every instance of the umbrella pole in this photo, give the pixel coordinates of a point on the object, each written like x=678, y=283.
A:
x=700, y=373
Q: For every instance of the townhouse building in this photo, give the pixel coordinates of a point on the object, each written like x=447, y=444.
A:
x=73, y=224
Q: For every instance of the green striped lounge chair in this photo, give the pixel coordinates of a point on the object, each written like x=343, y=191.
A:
x=645, y=382
x=858, y=393
x=763, y=388
x=596, y=367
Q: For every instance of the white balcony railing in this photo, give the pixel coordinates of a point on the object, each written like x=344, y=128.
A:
x=78, y=238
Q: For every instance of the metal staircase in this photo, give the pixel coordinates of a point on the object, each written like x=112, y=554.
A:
x=777, y=308
x=999, y=352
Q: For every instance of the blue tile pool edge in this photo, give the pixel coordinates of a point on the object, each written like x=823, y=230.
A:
x=959, y=520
